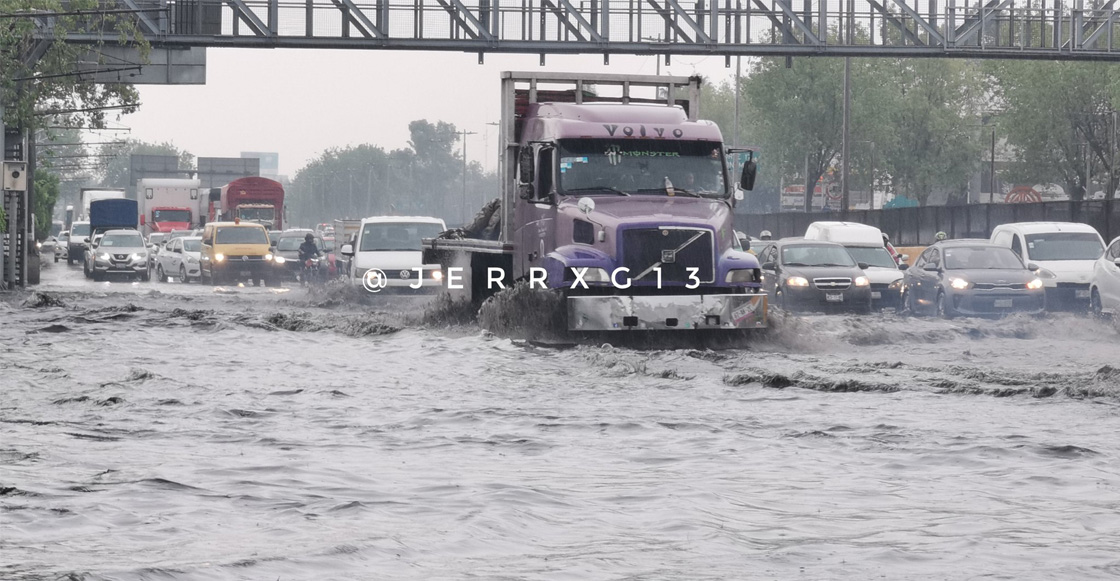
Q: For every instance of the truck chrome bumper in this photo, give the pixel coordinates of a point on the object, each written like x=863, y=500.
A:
x=666, y=313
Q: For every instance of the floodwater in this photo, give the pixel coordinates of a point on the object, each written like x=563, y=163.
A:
x=177, y=432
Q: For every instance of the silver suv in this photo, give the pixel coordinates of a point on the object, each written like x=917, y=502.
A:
x=119, y=252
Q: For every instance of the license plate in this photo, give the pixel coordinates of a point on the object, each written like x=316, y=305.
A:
x=876, y=295
x=1003, y=303
x=1081, y=294
x=834, y=297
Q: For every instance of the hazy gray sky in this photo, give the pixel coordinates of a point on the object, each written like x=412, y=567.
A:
x=301, y=102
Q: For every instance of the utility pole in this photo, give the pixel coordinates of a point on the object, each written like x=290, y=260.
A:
x=738, y=71
x=463, y=135
x=992, y=170
x=845, y=149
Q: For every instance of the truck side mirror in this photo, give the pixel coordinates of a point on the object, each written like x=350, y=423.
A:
x=215, y=194
x=746, y=180
x=525, y=191
x=525, y=165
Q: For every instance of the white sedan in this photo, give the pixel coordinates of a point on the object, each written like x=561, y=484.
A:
x=1104, y=290
x=179, y=258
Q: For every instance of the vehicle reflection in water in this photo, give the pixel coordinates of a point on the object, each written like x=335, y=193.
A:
x=191, y=434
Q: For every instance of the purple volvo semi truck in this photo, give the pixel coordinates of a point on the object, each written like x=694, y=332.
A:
x=616, y=195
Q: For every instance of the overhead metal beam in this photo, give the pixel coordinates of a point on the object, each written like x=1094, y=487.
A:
x=250, y=18
x=930, y=29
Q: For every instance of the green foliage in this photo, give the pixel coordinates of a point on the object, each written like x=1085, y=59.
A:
x=39, y=76
x=366, y=180
x=1054, y=114
x=912, y=126
x=46, y=194
x=115, y=160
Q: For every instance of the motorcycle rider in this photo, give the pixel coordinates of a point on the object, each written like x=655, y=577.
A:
x=308, y=250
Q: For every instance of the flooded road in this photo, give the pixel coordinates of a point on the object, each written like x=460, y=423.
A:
x=168, y=431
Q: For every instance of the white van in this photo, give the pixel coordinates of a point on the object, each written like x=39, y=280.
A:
x=1063, y=251
x=865, y=244
x=386, y=253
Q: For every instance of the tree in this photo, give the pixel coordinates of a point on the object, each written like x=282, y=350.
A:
x=40, y=78
x=364, y=180
x=932, y=108
x=115, y=160
x=1058, y=117
x=46, y=193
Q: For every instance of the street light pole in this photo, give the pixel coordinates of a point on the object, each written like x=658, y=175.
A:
x=992, y=170
x=463, y=213
x=845, y=201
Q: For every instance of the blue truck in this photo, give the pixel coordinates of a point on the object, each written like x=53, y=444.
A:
x=106, y=215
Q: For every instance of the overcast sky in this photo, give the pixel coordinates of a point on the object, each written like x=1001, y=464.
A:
x=301, y=102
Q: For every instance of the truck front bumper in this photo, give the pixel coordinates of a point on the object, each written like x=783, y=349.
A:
x=667, y=313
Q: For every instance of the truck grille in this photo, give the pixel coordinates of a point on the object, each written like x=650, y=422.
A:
x=674, y=250
x=838, y=283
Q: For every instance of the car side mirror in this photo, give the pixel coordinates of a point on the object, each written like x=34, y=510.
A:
x=931, y=267
x=903, y=266
x=347, y=250
x=272, y=243
x=769, y=266
x=905, y=257
x=862, y=265
x=85, y=240
x=1116, y=262
x=750, y=171
x=1032, y=266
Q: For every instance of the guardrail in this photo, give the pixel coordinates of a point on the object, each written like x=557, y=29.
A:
x=917, y=226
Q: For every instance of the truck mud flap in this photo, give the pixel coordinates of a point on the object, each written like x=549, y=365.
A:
x=667, y=313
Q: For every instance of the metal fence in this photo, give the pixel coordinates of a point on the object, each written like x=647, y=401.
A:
x=917, y=226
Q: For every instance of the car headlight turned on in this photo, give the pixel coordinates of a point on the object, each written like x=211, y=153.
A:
x=742, y=275
x=279, y=259
x=1035, y=284
x=896, y=285
x=797, y=281
x=862, y=281
x=437, y=274
x=138, y=256
x=959, y=283
x=268, y=257
x=103, y=255
x=219, y=257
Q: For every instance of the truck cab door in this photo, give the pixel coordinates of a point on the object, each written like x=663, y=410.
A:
x=535, y=217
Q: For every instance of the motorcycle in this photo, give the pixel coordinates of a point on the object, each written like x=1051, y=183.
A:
x=313, y=271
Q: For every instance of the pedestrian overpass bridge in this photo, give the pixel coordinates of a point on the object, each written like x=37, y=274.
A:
x=1003, y=29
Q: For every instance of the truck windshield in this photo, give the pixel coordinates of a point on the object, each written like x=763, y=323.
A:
x=257, y=214
x=241, y=235
x=396, y=235
x=171, y=215
x=646, y=166
x=1065, y=246
x=79, y=230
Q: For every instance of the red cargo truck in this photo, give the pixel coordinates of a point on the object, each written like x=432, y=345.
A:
x=250, y=199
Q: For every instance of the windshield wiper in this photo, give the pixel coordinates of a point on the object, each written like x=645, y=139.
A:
x=610, y=189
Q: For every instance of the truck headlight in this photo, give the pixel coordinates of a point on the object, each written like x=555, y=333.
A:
x=741, y=275
x=1035, y=284
x=279, y=259
x=797, y=281
x=268, y=256
x=594, y=274
x=862, y=281
x=961, y=284
x=219, y=257
x=437, y=274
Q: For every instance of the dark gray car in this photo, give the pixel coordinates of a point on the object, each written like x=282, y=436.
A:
x=971, y=277
x=813, y=275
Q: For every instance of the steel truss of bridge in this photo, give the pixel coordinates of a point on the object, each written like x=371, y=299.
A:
x=1019, y=29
